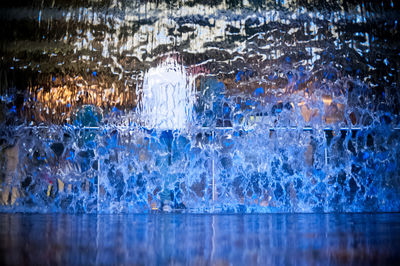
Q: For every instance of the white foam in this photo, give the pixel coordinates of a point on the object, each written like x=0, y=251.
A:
x=167, y=97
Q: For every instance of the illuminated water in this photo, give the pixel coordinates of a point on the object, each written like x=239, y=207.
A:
x=184, y=239
x=220, y=106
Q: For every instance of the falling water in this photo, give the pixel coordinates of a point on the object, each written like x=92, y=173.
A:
x=217, y=107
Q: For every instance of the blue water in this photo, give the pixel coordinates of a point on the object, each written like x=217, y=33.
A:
x=200, y=107
x=184, y=239
x=135, y=170
x=199, y=132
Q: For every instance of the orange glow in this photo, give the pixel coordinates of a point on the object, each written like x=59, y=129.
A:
x=57, y=103
x=327, y=100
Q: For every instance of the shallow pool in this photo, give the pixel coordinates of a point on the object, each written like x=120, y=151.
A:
x=183, y=239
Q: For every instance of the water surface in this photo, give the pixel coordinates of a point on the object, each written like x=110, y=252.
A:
x=185, y=239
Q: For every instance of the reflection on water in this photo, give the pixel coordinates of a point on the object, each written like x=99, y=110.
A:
x=279, y=239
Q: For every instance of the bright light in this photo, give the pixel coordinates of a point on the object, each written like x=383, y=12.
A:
x=167, y=97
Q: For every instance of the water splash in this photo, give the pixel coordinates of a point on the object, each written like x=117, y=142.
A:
x=241, y=154
x=220, y=107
